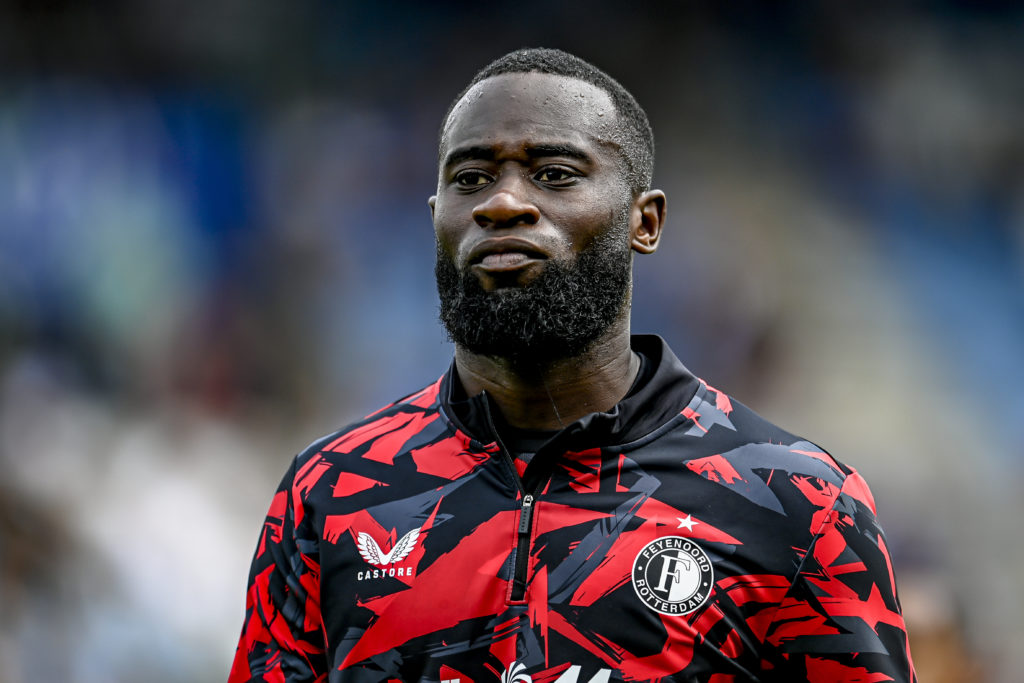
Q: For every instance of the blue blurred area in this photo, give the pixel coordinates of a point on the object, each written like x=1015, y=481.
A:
x=215, y=246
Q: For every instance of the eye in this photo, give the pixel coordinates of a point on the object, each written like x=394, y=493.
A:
x=471, y=179
x=556, y=175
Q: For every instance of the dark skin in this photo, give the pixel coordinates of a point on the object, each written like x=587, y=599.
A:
x=530, y=172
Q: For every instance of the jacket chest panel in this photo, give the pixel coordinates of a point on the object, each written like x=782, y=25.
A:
x=439, y=565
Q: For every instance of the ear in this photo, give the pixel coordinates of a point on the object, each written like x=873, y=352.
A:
x=646, y=221
x=431, y=203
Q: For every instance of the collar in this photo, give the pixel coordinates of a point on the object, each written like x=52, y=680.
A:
x=663, y=395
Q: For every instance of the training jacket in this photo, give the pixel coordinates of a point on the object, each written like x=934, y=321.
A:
x=677, y=537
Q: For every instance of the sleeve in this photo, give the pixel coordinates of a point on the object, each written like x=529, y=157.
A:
x=840, y=621
x=282, y=636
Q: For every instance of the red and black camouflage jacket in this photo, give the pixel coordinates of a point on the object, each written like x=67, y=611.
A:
x=678, y=537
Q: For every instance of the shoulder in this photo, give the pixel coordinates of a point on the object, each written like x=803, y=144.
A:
x=763, y=468
x=737, y=435
x=379, y=436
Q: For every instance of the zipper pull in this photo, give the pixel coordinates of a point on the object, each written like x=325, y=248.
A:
x=526, y=514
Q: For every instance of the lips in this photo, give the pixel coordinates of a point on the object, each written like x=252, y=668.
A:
x=505, y=254
x=503, y=259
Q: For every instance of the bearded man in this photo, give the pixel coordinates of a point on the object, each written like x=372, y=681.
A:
x=568, y=502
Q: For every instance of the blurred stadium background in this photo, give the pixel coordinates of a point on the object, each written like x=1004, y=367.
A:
x=215, y=246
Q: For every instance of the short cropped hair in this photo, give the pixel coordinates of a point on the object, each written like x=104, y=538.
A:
x=632, y=130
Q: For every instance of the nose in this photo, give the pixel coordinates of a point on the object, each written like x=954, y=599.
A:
x=506, y=206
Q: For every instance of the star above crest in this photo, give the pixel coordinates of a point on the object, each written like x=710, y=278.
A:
x=687, y=522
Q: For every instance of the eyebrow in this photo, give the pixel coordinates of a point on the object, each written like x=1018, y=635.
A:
x=482, y=153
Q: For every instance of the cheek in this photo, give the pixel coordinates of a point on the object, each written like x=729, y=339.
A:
x=442, y=224
x=448, y=236
x=589, y=223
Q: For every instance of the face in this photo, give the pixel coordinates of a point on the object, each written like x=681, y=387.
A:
x=533, y=216
x=528, y=174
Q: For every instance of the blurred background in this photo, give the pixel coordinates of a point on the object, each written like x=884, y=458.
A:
x=215, y=247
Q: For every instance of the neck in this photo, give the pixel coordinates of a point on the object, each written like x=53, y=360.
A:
x=552, y=394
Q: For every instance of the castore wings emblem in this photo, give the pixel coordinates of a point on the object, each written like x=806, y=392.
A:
x=372, y=553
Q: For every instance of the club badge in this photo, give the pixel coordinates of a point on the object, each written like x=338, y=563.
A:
x=673, y=575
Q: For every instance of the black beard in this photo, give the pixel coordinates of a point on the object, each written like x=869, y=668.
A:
x=557, y=315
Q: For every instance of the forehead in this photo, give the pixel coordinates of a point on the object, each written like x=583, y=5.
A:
x=522, y=108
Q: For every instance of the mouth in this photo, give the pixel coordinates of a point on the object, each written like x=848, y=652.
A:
x=506, y=254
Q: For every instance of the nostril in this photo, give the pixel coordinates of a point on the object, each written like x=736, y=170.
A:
x=505, y=208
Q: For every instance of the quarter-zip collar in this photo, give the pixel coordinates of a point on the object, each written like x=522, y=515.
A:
x=646, y=408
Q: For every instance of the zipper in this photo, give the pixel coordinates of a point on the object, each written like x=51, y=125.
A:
x=523, y=535
x=522, y=550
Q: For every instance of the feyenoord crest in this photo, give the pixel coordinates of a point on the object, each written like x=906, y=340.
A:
x=673, y=575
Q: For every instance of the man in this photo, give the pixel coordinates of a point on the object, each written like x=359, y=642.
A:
x=566, y=503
